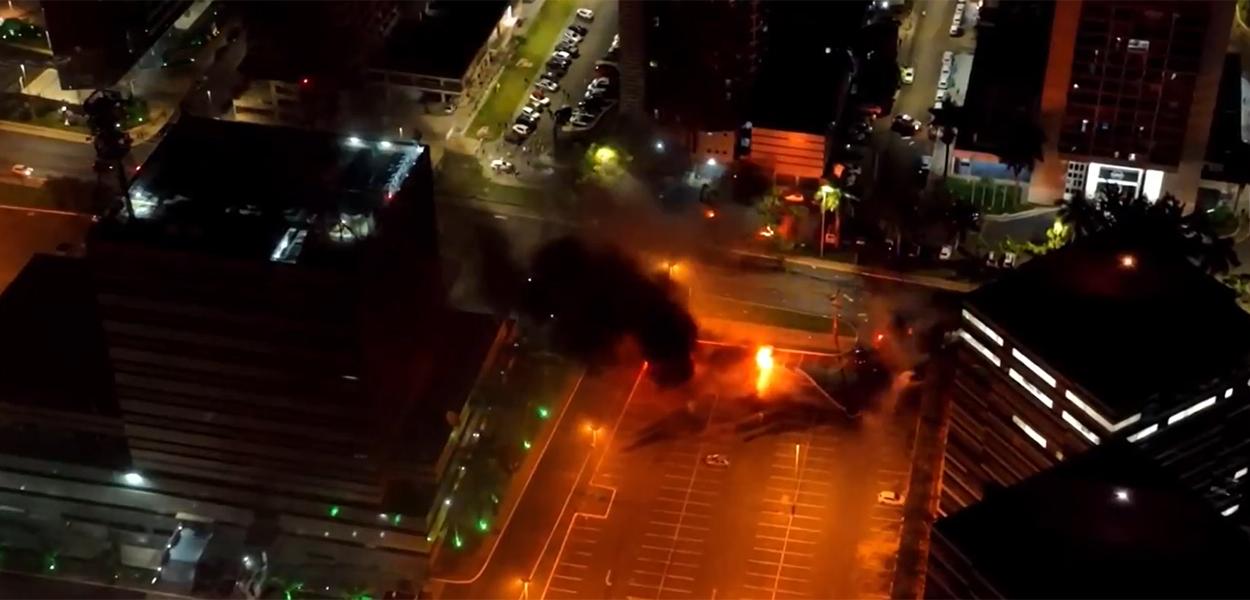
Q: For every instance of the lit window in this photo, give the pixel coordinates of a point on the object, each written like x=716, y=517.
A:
x=1143, y=434
x=1093, y=414
x=1071, y=420
x=1024, y=383
x=989, y=333
x=1191, y=410
x=1029, y=431
x=998, y=362
x=1024, y=360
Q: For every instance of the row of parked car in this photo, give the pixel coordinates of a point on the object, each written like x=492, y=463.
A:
x=567, y=49
x=599, y=92
x=944, y=80
x=957, y=21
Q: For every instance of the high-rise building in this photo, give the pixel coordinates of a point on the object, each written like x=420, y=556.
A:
x=690, y=66
x=1108, y=338
x=1128, y=96
x=1107, y=524
x=285, y=394
x=95, y=43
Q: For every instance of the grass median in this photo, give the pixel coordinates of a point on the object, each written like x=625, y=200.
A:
x=514, y=82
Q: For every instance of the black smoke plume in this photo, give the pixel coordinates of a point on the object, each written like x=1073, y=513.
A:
x=600, y=297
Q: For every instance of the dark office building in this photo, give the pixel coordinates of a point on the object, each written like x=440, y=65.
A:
x=1130, y=87
x=256, y=363
x=1107, y=524
x=690, y=66
x=95, y=43
x=1108, y=338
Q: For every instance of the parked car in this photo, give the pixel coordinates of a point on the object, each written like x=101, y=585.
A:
x=521, y=130
x=562, y=55
x=581, y=30
x=908, y=75
x=530, y=120
x=581, y=120
x=500, y=165
x=586, y=14
x=22, y=170
x=716, y=460
x=548, y=85
x=905, y=125
x=530, y=109
x=536, y=97
x=890, y=498
x=572, y=36
x=560, y=65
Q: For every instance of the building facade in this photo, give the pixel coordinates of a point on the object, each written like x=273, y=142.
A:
x=1129, y=92
x=95, y=43
x=1026, y=399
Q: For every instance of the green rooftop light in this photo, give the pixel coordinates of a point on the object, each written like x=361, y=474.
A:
x=527, y=444
x=543, y=412
x=483, y=525
x=396, y=519
x=334, y=511
x=456, y=541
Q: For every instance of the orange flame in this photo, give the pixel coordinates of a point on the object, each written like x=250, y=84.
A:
x=764, y=363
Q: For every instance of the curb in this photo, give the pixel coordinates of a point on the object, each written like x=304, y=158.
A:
x=783, y=263
x=44, y=132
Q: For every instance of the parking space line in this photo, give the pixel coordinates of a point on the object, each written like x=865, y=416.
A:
x=569, y=577
x=792, y=527
x=556, y=589
x=798, y=554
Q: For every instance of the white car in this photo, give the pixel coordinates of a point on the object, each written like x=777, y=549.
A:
x=586, y=14
x=573, y=36
x=562, y=55
x=22, y=170
x=943, y=83
x=531, y=110
x=716, y=460
x=890, y=498
x=542, y=101
x=600, y=82
x=521, y=130
x=908, y=75
x=581, y=121
x=947, y=58
x=548, y=85
x=500, y=165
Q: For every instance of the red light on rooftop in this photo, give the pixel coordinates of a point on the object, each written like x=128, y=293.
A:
x=1128, y=261
x=304, y=81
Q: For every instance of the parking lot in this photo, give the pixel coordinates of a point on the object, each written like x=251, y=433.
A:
x=787, y=515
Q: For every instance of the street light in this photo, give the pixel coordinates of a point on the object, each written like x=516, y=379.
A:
x=605, y=154
x=659, y=146
x=711, y=162
x=133, y=478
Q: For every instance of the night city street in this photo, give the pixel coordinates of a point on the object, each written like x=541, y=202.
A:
x=624, y=299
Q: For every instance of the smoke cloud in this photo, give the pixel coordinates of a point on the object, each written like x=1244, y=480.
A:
x=596, y=298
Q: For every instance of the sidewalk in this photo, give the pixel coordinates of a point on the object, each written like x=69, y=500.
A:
x=805, y=265
x=470, y=570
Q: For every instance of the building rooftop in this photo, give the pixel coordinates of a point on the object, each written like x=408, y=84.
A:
x=1128, y=336
x=1228, y=120
x=1106, y=524
x=786, y=96
x=289, y=195
x=444, y=41
x=1013, y=41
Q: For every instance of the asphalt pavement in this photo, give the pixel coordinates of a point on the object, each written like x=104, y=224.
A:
x=793, y=515
x=535, y=153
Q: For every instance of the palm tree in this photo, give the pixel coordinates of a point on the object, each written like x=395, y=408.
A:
x=105, y=112
x=962, y=217
x=948, y=120
x=1021, y=146
x=830, y=198
x=1082, y=214
x=1237, y=170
